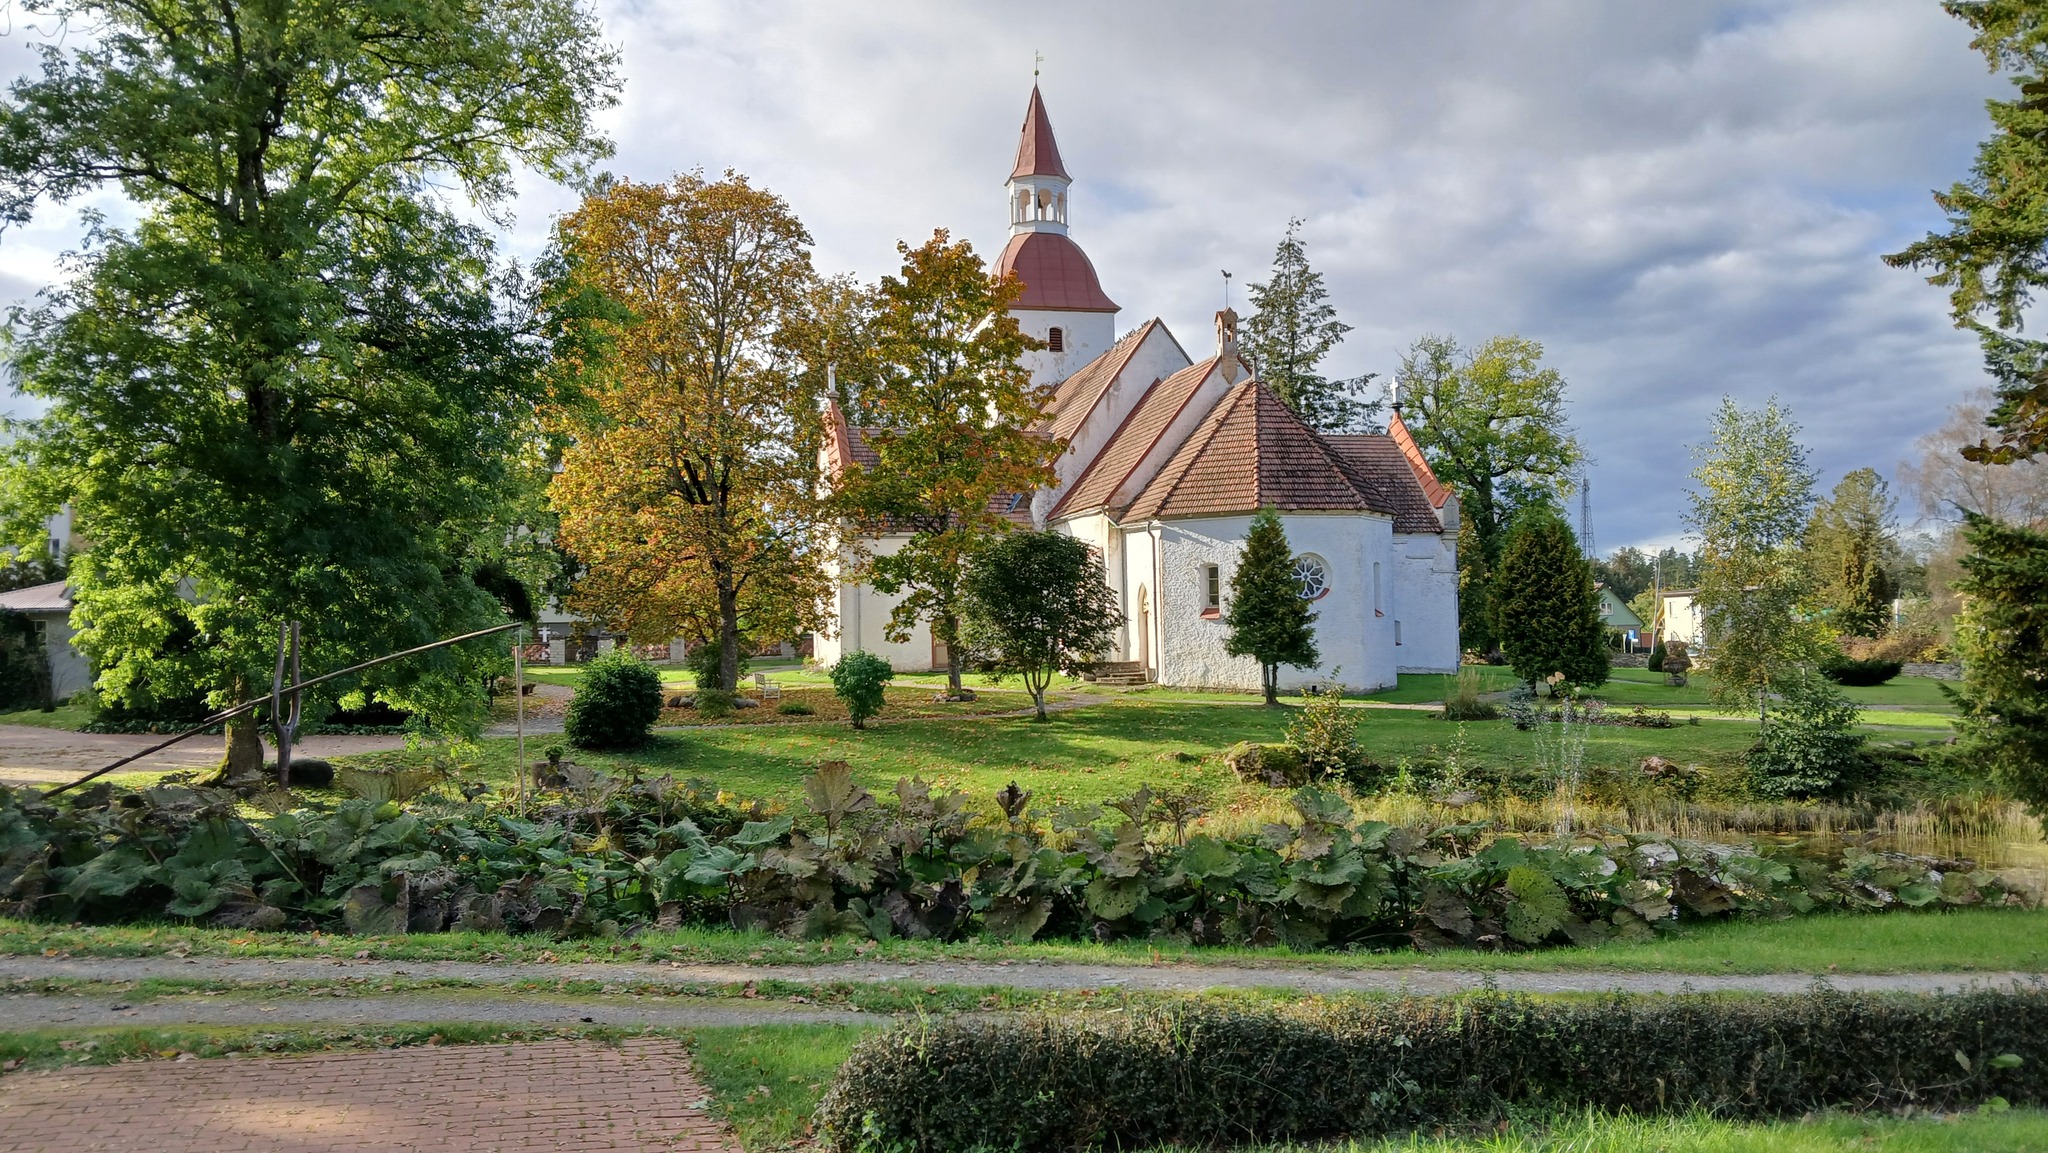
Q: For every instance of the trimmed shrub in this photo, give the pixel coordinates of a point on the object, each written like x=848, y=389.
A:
x=1201, y=1076
x=860, y=679
x=616, y=704
x=1866, y=672
x=794, y=709
x=713, y=704
x=1656, y=662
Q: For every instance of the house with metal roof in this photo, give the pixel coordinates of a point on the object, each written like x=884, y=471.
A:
x=1164, y=462
x=48, y=608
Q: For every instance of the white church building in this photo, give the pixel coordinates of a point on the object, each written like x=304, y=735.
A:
x=1167, y=459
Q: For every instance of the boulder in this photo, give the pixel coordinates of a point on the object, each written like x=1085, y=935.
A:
x=1275, y=766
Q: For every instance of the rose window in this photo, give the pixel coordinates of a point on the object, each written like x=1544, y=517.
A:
x=1313, y=578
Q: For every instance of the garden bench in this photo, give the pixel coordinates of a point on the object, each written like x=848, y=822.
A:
x=767, y=689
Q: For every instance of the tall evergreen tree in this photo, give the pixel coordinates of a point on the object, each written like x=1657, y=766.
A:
x=1549, y=613
x=2003, y=634
x=1270, y=621
x=1293, y=329
x=1850, y=541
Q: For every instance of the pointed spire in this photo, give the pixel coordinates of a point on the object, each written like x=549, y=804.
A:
x=1037, y=153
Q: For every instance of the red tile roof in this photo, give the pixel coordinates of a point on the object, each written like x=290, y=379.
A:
x=1133, y=440
x=1037, y=153
x=1056, y=274
x=1397, y=431
x=1013, y=507
x=1251, y=452
x=1075, y=397
x=1381, y=461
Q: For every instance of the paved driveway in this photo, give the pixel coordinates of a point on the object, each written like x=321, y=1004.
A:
x=471, y=1098
x=46, y=756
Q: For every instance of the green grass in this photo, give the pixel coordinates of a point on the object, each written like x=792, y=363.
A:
x=68, y=717
x=1091, y=754
x=766, y=1080
x=2011, y=1131
x=1954, y=941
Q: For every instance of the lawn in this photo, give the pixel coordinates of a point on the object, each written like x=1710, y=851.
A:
x=1952, y=941
x=1096, y=753
x=69, y=716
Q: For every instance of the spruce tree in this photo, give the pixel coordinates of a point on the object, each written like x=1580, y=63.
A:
x=1269, y=619
x=1293, y=328
x=2002, y=634
x=1549, y=612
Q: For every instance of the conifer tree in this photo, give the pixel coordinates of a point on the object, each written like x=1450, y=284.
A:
x=1549, y=612
x=1270, y=621
x=1849, y=540
x=1294, y=328
x=2003, y=632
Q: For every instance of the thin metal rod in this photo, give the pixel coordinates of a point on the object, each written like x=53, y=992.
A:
x=519, y=705
x=247, y=706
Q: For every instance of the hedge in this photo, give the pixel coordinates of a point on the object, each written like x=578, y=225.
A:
x=1203, y=1076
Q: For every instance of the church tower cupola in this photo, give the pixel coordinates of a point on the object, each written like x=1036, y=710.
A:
x=1062, y=304
x=1038, y=182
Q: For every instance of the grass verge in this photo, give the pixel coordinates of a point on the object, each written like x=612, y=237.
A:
x=2010, y=1131
x=1952, y=941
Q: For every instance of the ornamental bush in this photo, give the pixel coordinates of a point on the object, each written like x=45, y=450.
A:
x=1866, y=672
x=1204, y=1076
x=861, y=679
x=616, y=704
x=1811, y=746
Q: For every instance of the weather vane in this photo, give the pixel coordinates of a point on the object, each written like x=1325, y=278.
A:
x=1226, y=288
x=1037, y=58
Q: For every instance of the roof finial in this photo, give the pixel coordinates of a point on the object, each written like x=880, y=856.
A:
x=1037, y=58
x=1226, y=289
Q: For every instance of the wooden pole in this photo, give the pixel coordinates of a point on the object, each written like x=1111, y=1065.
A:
x=519, y=705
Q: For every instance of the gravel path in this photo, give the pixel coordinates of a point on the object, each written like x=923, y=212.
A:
x=43, y=1011
x=1023, y=975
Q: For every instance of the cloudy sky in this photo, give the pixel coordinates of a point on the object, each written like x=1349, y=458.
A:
x=1678, y=200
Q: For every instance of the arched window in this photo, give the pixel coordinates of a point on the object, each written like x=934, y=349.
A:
x=1056, y=340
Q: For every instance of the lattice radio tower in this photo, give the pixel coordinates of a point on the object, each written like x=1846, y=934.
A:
x=1586, y=514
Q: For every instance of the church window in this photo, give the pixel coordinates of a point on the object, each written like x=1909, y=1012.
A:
x=1056, y=340
x=1212, y=590
x=1376, y=602
x=1313, y=577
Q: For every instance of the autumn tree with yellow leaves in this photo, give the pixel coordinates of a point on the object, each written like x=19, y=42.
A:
x=688, y=487
x=954, y=411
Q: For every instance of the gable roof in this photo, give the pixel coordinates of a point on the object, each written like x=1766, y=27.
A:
x=1433, y=489
x=1383, y=463
x=1250, y=452
x=1037, y=153
x=1127, y=448
x=1075, y=397
x=1011, y=506
x=53, y=597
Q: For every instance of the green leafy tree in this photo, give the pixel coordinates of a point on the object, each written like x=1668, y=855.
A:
x=1753, y=494
x=1994, y=256
x=1549, y=613
x=1628, y=571
x=1850, y=540
x=298, y=388
x=1814, y=747
x=1293, y=328
x=861, y=679
x=2002, y=636
x=1037, y=604
x=954, y=409
x=1270, y=621
x=1491, y=421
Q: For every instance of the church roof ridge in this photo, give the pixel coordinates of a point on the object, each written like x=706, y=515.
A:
x=1092, y=381
x=1038, y=154
x=1134, y=439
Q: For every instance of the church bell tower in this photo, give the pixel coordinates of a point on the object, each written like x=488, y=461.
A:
x=1063, y=303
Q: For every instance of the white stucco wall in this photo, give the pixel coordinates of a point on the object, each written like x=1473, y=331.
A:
x=1426, y=602
x=1355, y=640
x=1087, y=336
x=861, y=619
x=69, y=671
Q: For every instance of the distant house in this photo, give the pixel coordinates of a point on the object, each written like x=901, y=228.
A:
x=1615, y=613
x=48, y=606
x=1677, y=619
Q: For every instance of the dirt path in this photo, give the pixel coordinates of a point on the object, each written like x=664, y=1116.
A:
x=487, y=1007
x=1022, y=975
x=32, y=756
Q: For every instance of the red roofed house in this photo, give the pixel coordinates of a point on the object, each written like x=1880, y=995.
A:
x=1166, y=461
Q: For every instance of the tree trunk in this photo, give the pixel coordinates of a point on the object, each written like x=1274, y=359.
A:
x=1270, y=678
x=728, y=640
x=242, y=757
x=949, y=633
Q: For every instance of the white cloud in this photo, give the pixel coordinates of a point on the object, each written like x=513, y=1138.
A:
x=1677, y=200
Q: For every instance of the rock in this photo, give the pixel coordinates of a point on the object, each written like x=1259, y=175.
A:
x=679, y=701
x=1275, y=766
x=311, y=773
x=745, y=703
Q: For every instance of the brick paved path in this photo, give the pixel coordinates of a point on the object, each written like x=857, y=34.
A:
x=457, y=1099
